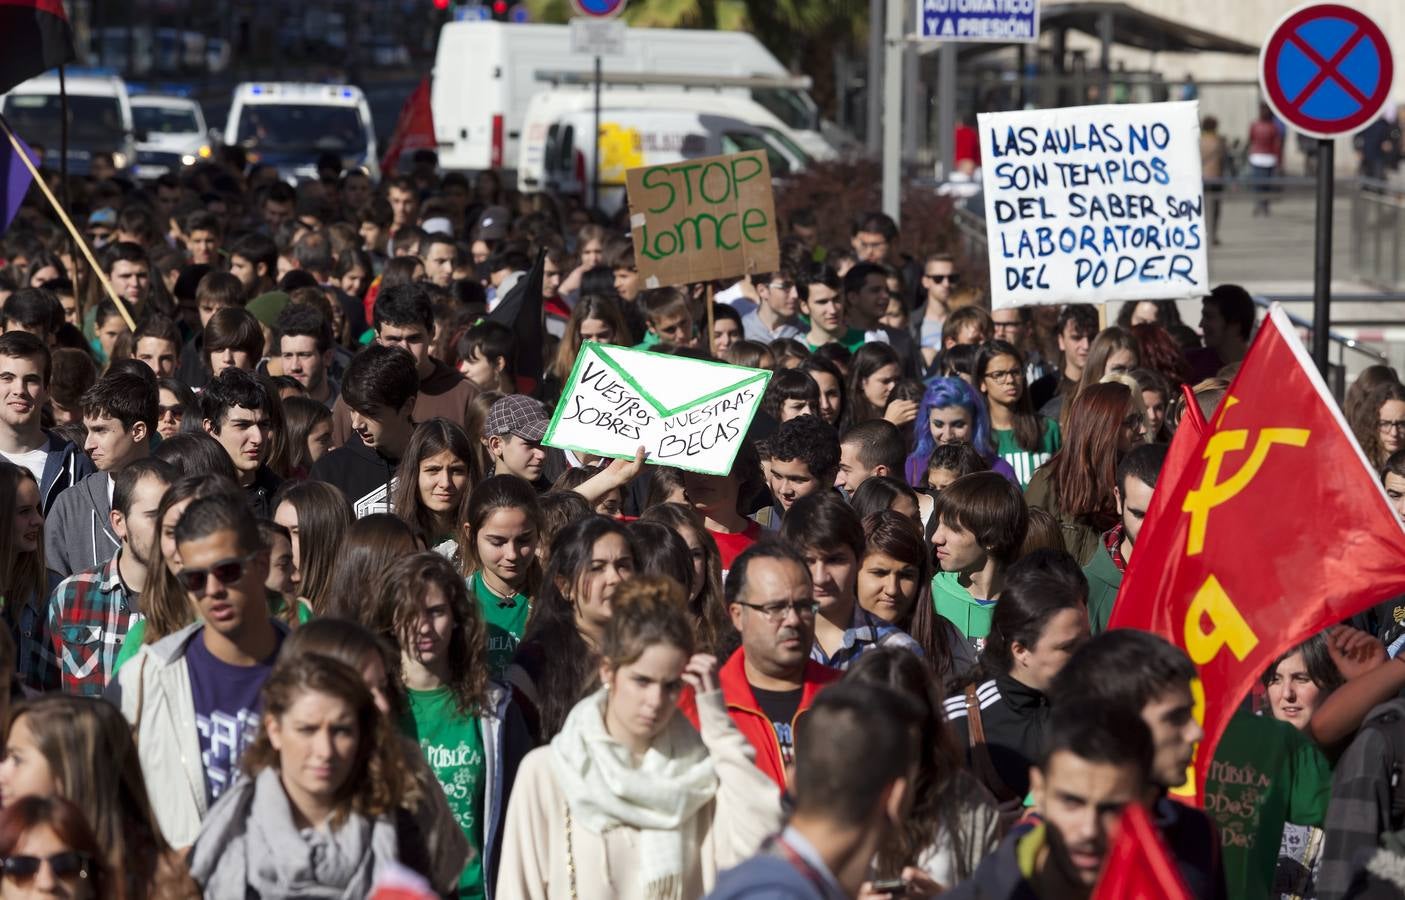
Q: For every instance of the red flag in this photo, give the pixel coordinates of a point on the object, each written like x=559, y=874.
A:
x=1138, y=867
x=34, y=38
x=1276, y=528
x=414, y=130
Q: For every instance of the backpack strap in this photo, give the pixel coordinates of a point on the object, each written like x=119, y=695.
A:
x=980, y=752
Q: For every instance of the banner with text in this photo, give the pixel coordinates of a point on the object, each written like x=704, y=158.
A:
x=703, y=219
x=1092, y=204
x=686, y=413
x=978, y=20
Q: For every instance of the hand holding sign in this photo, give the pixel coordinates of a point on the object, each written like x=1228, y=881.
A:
x=687, y=413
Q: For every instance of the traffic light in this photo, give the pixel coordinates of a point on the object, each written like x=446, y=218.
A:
x=500, y=10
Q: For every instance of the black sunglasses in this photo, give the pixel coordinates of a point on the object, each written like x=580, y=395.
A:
x=69, y=864
x=954, y=277
x=227, y=571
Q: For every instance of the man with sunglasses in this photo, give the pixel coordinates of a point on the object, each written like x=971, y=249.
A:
x=193, y=696
x=89, y=613
x=939, y=279
x=769, y=683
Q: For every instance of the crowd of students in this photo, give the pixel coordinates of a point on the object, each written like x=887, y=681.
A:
x=299, y=604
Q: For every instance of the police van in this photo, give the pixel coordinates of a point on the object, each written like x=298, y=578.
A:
x=289, y=125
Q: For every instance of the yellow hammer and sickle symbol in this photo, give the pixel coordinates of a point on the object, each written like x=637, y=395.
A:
x=1213, y=492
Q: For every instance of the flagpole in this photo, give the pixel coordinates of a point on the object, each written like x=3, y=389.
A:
x=711, y=336
x=67, y=223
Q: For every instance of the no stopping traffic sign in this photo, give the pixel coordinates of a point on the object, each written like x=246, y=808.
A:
x=599, y=9
x=1326, y=70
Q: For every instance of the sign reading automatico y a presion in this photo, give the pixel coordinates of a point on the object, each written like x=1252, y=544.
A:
x=978, y=20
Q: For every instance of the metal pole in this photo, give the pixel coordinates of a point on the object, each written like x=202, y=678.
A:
x=893, y=111
x=1322, y=263
x=874, y=113
x=595, y=157
x=946, y=107
x=63, y=144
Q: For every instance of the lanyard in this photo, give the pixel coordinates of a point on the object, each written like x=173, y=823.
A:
x=780, y=848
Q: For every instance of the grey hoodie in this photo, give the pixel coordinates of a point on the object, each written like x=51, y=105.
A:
x=78, y=530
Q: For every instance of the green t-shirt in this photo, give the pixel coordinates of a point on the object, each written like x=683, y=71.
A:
x=1265, y=773
x=136, y=635
x=506, y=620
x=1023, y=461
x=452, y=743
x=852, y=339
x=953, y=602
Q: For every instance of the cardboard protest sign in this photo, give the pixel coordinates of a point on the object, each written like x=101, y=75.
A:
x=1092, y=204
x=686, y=413
x=702, y=219
x=1230, y=563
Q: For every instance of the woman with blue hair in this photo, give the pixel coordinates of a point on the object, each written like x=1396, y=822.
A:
x=949, y=412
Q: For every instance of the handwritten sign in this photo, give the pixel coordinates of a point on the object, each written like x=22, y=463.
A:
x=703, y=219
x=686, y=413
x=1094, y=203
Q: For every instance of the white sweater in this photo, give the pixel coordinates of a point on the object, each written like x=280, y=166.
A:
x=745, y=811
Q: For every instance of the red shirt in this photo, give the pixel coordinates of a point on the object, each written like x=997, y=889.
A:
x=967, y=145
x=730, y=546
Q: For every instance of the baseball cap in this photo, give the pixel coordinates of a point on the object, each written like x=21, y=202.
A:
x=517, y=414
x=107, y=216
x=492, y=225
x=437, y=225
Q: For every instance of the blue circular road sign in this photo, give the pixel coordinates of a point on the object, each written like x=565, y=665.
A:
x=1326, y=70
x=599, y=9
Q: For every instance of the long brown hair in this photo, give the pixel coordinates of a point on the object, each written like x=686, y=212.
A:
x=715, y=631
x=348, y=642
x=22, y=578
x=401, y=604
x=897, y=536
x=371, y=545
x=1084, y=473
x=430, y=439
x=936, y=809
x=89, y=749
x=378, y=776
x=590, y=306
x=324, y=515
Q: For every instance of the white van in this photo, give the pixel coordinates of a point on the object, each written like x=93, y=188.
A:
x=288, y=126
x=171, y=133
x=485, y=73
x=638, y=129
x=99, y=119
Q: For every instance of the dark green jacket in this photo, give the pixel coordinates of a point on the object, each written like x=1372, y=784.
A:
x=1104, y=581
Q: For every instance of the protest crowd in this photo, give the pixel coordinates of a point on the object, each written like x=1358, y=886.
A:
x=301, y=602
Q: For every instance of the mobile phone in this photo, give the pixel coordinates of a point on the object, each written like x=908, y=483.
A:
x=893, y=887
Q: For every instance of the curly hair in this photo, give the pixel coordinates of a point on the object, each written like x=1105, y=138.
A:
x=402, y=598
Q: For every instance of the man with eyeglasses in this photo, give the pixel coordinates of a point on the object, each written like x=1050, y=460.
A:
x=873, y=236
x=777, y=315
x=193, y=696
x=939, y=278
x=770, y=682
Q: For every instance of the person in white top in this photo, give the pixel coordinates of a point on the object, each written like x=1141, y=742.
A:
x=629, y=800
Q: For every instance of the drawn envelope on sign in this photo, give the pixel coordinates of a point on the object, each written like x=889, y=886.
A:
x=687, y=413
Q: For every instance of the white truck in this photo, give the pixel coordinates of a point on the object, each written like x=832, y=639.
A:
x=641, y=128
x=485, y=73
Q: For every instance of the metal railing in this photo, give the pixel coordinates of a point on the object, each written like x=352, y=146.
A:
x=1377, y=244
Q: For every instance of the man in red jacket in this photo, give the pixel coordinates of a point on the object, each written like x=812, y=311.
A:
x=770, y=682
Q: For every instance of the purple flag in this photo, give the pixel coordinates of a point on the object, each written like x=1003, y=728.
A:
x=16, y=180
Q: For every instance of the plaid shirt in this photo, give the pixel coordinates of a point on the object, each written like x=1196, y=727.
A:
x=88, y=618
x=1363, y=802
x=1112, y=542
x=865, y=632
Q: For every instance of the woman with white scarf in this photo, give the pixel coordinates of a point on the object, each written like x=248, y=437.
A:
x=314, y=815
x=629, y=801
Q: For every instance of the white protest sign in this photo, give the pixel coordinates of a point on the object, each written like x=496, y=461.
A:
x=1092, y=204
x=687, y=413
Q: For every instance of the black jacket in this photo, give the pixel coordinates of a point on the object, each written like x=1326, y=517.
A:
x=261, y=491
x=363, y=475
x=1013, y=716
x=998, y=877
